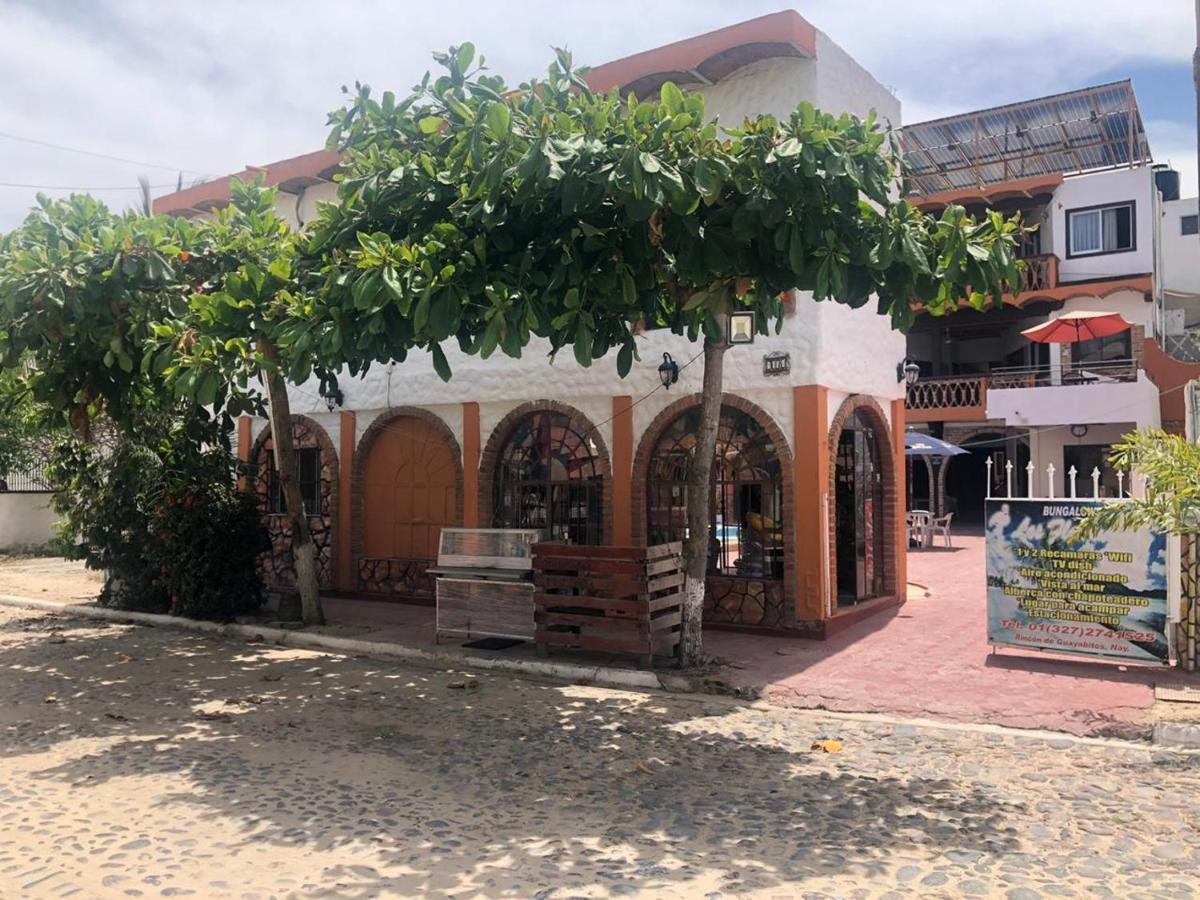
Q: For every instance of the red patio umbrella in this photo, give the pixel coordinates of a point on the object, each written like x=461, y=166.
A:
x=1072, y=327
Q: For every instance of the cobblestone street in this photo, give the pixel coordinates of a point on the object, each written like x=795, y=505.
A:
x=151, y=762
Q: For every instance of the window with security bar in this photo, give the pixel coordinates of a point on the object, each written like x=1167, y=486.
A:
x=746, y=514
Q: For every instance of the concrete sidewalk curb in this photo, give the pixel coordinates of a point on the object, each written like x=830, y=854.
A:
x=1170, y=737
x=1181, y=735
x=604, y=676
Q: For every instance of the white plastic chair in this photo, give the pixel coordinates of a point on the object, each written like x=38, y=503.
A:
x=941, y=525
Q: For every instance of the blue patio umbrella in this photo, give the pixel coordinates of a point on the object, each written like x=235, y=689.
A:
x=918, y=444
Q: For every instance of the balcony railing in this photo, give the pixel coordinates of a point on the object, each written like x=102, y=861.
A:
x=946, y=399
x=1040, y=274
x=964, y=398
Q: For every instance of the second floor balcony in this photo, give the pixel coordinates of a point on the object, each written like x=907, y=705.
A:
x=964, y=398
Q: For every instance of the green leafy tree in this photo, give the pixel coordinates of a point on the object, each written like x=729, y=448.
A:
x=489, y=216
x=1171, y=465
x=228, y=341
x=80, y=288
x=87, y=296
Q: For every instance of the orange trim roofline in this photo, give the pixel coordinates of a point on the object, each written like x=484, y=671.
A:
x=1022, y=188
x=703, y=59
x=707, y=58
x=289, y=175
x=1070, y=291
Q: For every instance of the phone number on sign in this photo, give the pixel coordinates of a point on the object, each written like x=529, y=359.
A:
x=1081, y=631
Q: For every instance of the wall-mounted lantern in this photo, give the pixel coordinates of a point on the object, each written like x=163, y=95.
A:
x=668, y=371
x=333, y=398
x=908, y=372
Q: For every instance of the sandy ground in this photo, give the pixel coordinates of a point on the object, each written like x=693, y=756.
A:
x=48, y=578
x=150, y=762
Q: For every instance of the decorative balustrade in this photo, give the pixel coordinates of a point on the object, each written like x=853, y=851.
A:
x=965, y=396
x=1040, y=274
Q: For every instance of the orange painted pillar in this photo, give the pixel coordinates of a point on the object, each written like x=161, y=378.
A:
x=622, y=471
x=245, y=440
x=348, y=440
x=898, y=503
x=471, y=450
x=814, y=548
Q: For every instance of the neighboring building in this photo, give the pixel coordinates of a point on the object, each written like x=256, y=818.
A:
x=1181, y=276
x=808, y=526
x=1079, y=166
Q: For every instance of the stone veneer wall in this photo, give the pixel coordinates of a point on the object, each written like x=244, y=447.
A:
x=276, y=564
x=753, y=602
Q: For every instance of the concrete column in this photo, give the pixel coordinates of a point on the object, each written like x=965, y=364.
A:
x=471, y=450
x=244, y=442
x=814, y=540
x=348, y=435
x=622, y=471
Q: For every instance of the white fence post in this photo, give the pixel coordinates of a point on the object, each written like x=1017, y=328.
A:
x=988, y=464
x=1096, y=483
x=1071, y=473
x=1050, y=480
x=1029, y=473
x=1008, y=470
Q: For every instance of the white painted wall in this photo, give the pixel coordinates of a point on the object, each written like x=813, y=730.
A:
x=1112, y=186
x=843, y=85
x=1046, y=447
x=1180, y=268
x=1091, y=404
x=26, y=521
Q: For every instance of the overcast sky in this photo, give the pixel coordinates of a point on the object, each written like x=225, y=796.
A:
x=208, y=87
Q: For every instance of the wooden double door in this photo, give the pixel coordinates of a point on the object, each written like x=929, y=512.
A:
x=410, y=491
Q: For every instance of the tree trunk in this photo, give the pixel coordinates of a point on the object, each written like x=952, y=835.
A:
x=699, y=502
x=303, y=550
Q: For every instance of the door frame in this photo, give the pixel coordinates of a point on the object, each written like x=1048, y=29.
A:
x=357, y=485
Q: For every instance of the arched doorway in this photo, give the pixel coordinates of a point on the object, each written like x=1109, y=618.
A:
x=549, y=474
x=752, y=525
x=859, y=514
x=409, y=489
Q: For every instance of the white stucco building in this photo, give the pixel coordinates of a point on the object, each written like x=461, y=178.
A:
x=807, y=526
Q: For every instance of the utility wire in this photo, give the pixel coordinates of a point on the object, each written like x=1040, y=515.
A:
x=67, y=187
x=122, y=159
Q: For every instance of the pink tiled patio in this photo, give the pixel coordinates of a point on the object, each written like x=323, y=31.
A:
x=928, y=658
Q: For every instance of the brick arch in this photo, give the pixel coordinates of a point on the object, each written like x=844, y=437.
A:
x=875, y=417
x=500, y=435
x=783, y=449
x=358, y=474
x=277, y=564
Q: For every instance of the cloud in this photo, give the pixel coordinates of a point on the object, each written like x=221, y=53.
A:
x=208, y=88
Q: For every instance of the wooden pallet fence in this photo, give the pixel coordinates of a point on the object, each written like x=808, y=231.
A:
x=609, y=599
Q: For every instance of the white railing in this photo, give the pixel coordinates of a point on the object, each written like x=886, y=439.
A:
x=1070, y=486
